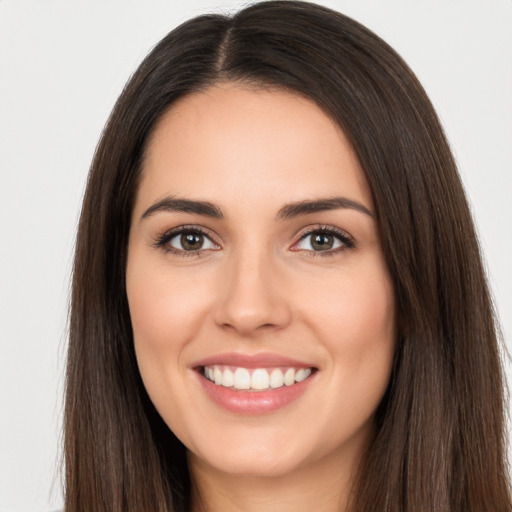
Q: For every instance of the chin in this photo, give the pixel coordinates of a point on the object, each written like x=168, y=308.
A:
x=256, y=465
x=275, y=455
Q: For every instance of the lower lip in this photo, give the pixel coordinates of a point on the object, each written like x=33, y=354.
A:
x=254, y=402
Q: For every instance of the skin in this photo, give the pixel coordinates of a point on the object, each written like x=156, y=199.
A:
x=259, y=286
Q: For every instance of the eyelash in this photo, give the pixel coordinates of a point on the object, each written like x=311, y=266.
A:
x=162, y=240
x=347, y=242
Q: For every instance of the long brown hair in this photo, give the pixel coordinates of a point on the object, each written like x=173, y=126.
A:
x=439, y=442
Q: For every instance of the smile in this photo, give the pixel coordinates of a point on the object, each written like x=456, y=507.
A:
x=255, y=379
x=253, y=384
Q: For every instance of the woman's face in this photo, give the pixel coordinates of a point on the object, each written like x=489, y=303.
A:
x=262, y=309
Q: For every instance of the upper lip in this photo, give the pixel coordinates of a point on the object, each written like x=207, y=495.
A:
x=261, y=360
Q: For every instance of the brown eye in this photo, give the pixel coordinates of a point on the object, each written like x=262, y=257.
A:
x=189, y=241
x=322, y=242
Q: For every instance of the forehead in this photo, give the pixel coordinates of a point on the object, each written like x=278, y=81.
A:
x=268, y=146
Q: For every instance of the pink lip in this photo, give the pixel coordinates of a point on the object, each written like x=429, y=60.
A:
x=251, y=403
x=262, y=360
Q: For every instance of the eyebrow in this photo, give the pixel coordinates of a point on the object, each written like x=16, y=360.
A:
x=172, y=204
x=319, y=205
x=288, y=211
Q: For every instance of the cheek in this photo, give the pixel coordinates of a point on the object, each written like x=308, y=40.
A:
x=354, y=318
x=354, y=310
x=165, y=311
x=165, y=308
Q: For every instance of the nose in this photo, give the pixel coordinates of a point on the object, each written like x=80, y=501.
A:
x=253, y=296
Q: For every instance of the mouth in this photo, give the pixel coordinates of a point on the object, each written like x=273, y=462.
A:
x=254, y=384
x=239, y=378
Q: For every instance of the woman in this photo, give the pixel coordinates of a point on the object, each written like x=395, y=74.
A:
x=278, y=298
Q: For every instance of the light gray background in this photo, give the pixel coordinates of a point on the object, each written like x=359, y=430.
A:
x=63, y=64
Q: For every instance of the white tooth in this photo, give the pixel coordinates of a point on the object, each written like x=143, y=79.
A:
x=217, y=375
x=289, y=377
x=210, y=373
x=302, y=374
x=228, y=378
x=242, y=379
x=259, y=379
x=276, y=378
